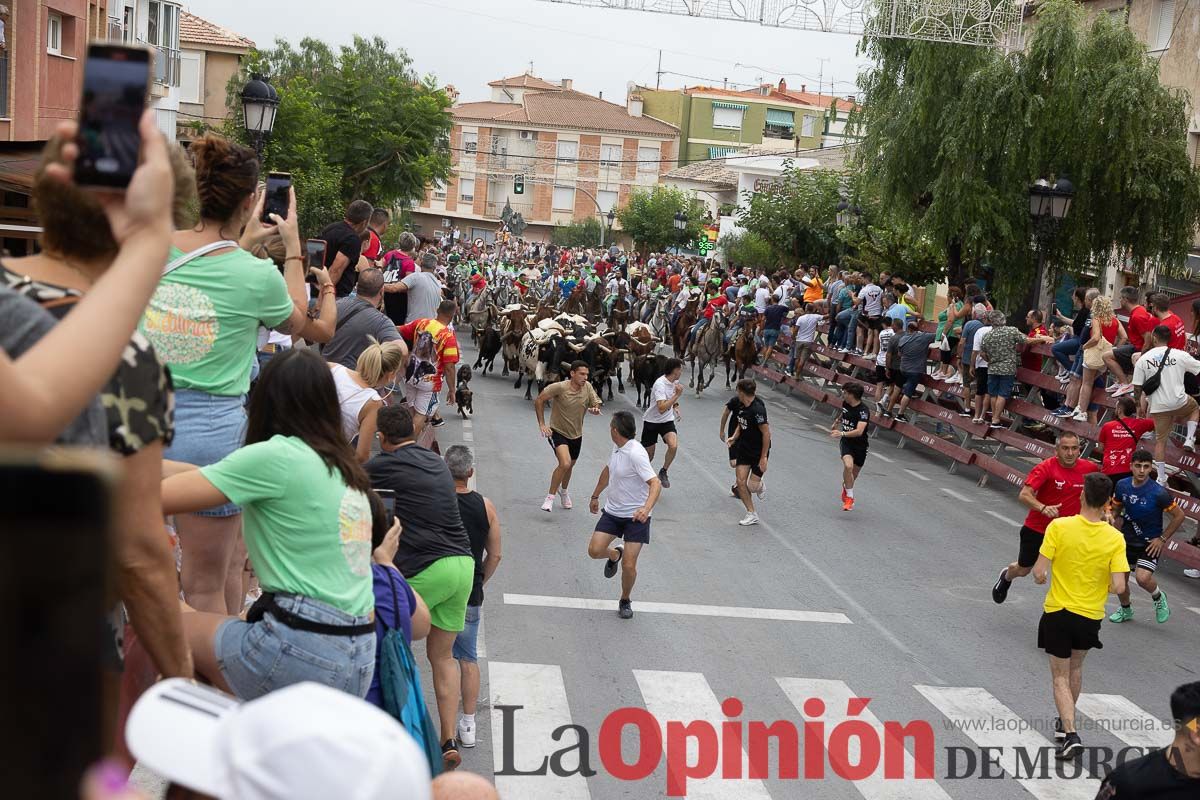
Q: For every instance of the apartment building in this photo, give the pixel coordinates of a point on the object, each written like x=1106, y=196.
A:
x=209, y=57
x=573, y=155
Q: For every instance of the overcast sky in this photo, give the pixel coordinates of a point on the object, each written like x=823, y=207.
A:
x=468, y=43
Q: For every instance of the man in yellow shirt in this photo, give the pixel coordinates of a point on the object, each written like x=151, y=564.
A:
x=1088, y=558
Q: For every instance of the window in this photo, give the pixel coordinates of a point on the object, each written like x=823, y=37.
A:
x=466, y=189
x=567, y=151
x=439, y=190
x=470, y=142
x=190, y=76
x=780, y=124
x=728, y=115
x=648, y=159
x=1162, y=24
x=54, y=29
x=564, y=197
x=162, y=24
x=610, y=155
x=607, y=200
x=152, y=22
x=808, y=126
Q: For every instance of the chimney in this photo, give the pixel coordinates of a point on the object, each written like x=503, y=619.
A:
x=567, y=83
x=635, y=105
x=601, y=94
x=782, y=85
x=803, y=88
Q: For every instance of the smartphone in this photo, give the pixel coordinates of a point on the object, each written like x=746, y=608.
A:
x=389, y=502
x=116, y=80
x=316, y=252
x=276, y=200
x=66, y=498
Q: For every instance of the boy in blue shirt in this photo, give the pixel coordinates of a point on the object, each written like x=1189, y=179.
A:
x=1141, y=502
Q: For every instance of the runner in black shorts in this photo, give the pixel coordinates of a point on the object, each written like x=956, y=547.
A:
x=726, y=429
x=570, y=399
x=850, y=429
x=750, y=446
x=658, y=421
x=573, y=446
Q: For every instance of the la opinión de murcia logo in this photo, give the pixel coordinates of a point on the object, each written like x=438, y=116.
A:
x=853, y=749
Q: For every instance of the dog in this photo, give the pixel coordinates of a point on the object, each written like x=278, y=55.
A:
x=462, y=391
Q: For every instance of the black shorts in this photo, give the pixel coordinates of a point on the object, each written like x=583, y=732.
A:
x=881, y=374
x=874, y=323
x=624, y=528
x=948, y=355
x=1060, y=632
x=1031, y=543
x=981, y=378
x=748, y=458
x=1191, y=384
x=573, y=445
x=1135, y=554
x=858, y=452
x=651, y=431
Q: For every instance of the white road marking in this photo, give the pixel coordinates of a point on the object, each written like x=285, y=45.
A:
x=883, y=458
x=989, y=723
x=820, y=427
x=1121, y=717
x=467, y=424
x=1001, y=517
x=539, y=688
x=684, y=697
x=957, y=496
x=917, y=475
x=1194, y=609
x=685, y=609
x=468, y=436
x=835, y=695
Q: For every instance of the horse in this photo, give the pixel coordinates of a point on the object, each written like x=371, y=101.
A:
x=679, y=333
x=707, y=349
x=618, y=315
x=743, y=351
x=480, y=313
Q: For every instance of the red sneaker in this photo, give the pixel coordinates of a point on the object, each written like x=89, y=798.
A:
x=848, y=504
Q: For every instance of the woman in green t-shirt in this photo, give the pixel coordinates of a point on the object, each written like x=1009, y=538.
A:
x=308, y=532
x=203, y=322
x=949, y=324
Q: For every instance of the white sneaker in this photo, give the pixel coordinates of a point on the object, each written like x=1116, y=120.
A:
x=955, y=378
x=565, y=499
x=749, y=519
x=1189, y=444
x=1079, y=416
x=466, y=733
x=1123, y=389
x=549, y=504
x=1192, y=573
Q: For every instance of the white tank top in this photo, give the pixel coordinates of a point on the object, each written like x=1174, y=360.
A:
x=351, y=398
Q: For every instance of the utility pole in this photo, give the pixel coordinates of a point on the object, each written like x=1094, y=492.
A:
x=658, y=75
x=821, y=76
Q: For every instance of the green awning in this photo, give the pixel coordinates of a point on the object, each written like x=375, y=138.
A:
x=785, y=118
x=721, y=152
x=734, y=106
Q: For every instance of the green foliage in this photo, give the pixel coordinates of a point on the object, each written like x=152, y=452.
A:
x=355, y=123
x=953, y=136
x=581, y=233
x=747, y=249
x=727, y=209
x=797, y=216
x=649, y=217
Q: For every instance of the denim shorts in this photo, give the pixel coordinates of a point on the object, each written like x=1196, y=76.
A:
x=259, y=657
x=464, y=643
x=1001, y=385
x=208, y=427
x=770, y=337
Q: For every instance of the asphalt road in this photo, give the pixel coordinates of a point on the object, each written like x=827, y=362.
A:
x=889, y=602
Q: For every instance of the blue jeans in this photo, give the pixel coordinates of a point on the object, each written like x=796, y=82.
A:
x=208, y=427
x=465, y=643
x=769, y=338
x=256, y=658
x=1064, y=350
x=847, y=328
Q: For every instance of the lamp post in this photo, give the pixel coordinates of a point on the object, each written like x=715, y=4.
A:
x=1048, y=206
x=847, y=214
x=612, y=215
x=681, y=221
x=260, y=101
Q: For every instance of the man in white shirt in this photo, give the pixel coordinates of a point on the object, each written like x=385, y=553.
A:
x=762, y=295
x=804, y=333
x=871, y=297
x=624, y=525
x=659, y=418
x=1170, y=402
x=981, y=371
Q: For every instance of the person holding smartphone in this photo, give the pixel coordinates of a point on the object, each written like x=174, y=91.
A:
x=203, y=322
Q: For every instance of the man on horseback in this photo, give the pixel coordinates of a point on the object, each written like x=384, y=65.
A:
x=715, y=303
x=617, y=287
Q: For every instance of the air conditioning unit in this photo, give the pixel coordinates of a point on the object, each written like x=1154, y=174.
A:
x=526, y=136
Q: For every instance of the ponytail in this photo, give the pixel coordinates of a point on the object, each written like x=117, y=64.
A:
x=378, y=360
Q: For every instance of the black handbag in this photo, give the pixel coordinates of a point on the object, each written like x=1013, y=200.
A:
x=1151, y=384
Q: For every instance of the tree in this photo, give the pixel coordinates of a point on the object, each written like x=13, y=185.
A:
x=747, y=249
x=797, y=215
x=954, y=135
x=581, y=233
x=649, y=217
x=355, y=123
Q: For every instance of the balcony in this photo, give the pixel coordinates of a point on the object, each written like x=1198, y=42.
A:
x=524, y=209
x=166, y=64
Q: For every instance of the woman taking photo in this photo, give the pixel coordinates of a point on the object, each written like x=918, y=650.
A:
x=949, y=329
x=308, y=532
x=358, y=394
x=203, y=321
x=1106, y=332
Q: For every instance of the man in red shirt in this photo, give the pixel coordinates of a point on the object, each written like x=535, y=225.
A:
x=1053, y=489
x=1163, y=314
x=376, y=227
x=1037, y=335
x=433, y=352
x=1120, y=438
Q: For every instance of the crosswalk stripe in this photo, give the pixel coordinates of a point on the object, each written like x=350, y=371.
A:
x=835, y=695
x=1001, y=517
x=683, y=697
x=989, y=723
x=686, y=609
x=917, y=475
x=539, y=688
x=1193, y=609
x=1121, y=717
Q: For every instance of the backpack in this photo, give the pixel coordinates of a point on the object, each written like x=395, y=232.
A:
x=401, y=685
x=423, y=361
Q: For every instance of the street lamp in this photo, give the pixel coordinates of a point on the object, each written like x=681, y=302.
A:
x=1048, y=207
x=260, y=101
x=681, y=221
x=847, y=214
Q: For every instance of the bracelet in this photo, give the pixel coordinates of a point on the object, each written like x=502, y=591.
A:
x=329, y=287
x=294, y=258
x=595, y=497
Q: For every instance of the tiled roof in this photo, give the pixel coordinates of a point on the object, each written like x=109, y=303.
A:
x=197, y=30
x=525, y=81
x=712, y=171
x=565, y=109
x=789, y=96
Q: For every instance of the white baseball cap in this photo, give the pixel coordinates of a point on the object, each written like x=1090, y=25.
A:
x=304, y=742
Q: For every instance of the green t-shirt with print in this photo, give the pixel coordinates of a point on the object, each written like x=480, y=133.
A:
x=306, y=531
x=203, y=319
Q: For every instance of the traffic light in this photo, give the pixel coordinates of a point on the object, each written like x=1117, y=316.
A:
x=519, y=184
